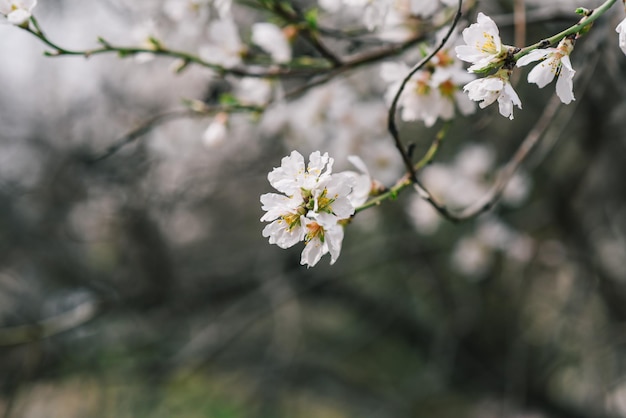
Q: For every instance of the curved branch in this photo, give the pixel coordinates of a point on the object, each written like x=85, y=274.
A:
x=391, y=116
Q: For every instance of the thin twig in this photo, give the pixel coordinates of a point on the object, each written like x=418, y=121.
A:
x=49, y=327
x=141, y=130
x=391, y=116
x=505, y=174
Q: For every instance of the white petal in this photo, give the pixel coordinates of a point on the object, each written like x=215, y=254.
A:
x=565, y=82
x=18, y=17
x=507, y=99
x=285, y=178
x=621, y=30
x=465, y=105
x=334, y=238
x=312, y=253
x=534, y=55
x=279, y=234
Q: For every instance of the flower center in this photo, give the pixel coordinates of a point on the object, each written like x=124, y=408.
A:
x=292, y=220
x=489, y=46
x=315, y=230
x=447, y=88
x=444, y=59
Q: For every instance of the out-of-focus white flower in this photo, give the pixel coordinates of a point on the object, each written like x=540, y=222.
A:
x=521, y=248
x=554, y=62
x=424, y=218
x=418, y=101
x=253, y=91
x=471, y=257
x=432, y=92
x=448, y=81
x=224, y=47
x=474, y=254
x=272, y=40
x=426, y=8
x=184, y=10
x=313, y=204
x=517, y=190
x=483, y=47
x=217, y=131
x=621, y=30
x=372, y=12
x=222, y=7
x=143, y=33
x=474, y=161
x=330, y=5
x=495, y=87
x=375, y=13
x=17, y=12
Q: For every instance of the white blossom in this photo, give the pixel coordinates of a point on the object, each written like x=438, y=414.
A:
x=422, y=215
x=496, y=87
x=17, y=12
x=225, y=47
x=554, y=62
x=471, y=257
x=621, y=30
x=272, y=40
x=323, y=235
x=429, y=94
x=483, y=47
x=253, y=91
x=312, y=206
x=426, y=8
x=217, y=131
x=287, y=226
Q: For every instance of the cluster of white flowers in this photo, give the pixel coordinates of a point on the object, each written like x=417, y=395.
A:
x=485, y=51
x=431, y=93
x=313, y=204
x=474, y=254
x=390, y=18
x=17, y=12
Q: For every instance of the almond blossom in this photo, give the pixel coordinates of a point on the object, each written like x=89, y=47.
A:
x=17, y=12
x=323, y=235
x=272, y=40
x=313, y=203
x=554, y=62
x=495, y=87
x=483, y=47
x=225, y=47
x=430, y=94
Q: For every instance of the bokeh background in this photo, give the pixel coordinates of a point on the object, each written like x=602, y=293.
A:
x=140, y=285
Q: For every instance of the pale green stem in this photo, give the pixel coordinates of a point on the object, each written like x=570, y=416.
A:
x=588, y=20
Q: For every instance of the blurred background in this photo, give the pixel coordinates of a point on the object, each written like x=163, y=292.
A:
x=139, y=285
